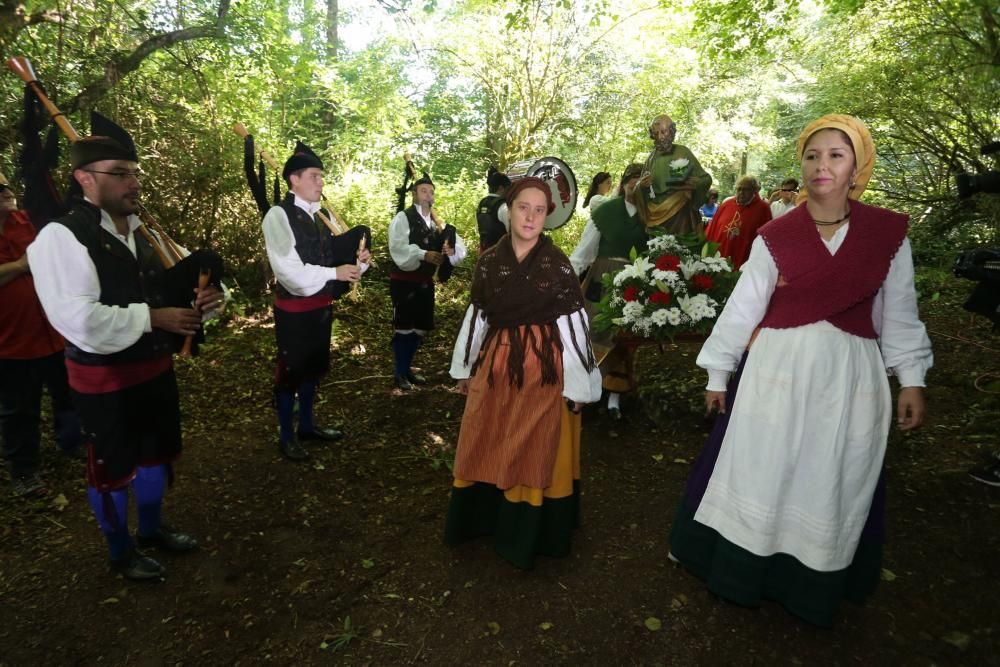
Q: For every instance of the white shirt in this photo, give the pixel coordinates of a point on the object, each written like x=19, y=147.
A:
x=586, y=250
x=296, y=276
x=579, y=384
x=779, y=207
x=69, y=289
x=408, y=256
x=906, y=349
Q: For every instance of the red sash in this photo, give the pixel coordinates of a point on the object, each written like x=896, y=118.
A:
x=106, y=379
x=303, y=304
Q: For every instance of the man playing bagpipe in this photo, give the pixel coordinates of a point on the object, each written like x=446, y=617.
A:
x=313, y=267
x=31, y=357
x=420, y=247
x=106, y=286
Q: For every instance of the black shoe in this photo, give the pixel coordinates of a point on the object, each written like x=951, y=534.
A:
x=403, y=383
x=293, y=450
x=137, y=566
x=416, y=378
x=168, y=539
x=324, y=434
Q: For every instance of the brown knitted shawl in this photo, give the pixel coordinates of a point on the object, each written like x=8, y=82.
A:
x=539, y=289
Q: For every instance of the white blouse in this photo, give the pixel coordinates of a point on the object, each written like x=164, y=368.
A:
x=408, y=256
x=586, y=250
x=906, y=349
x=69, y=290
x=296, y=276
x=579, y=384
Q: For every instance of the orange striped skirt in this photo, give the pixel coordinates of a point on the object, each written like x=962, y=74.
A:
x=510, y=435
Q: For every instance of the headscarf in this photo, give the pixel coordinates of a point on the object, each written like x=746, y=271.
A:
x=861, y=141
x=530, y=182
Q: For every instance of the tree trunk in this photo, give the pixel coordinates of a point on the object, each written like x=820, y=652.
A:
x=331, y=31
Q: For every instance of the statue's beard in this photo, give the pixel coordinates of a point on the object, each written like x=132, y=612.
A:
x=665, y=146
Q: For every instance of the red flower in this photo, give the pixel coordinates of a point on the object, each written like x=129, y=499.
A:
x=668, y=263
x=630, y=293
x=702, y=282
x=660, y=297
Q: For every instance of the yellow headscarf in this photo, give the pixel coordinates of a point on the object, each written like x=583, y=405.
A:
x=861, y=138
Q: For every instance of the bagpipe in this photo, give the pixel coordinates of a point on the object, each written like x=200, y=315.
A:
x=444, y=235
x=347, y=242
x=44, y=201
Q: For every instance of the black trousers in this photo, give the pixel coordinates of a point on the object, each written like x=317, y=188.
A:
x=21, y=385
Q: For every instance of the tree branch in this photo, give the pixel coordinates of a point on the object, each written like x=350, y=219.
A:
x=124, y=64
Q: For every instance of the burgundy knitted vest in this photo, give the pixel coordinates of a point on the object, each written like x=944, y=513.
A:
x=838, y=288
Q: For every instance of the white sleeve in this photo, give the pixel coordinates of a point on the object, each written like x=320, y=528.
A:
x=906, y=348
x=459, y=369
x=69, y=290
x=406, y=255
x=586, y=250
x=503, y=215
x=579, y=384
x=460, y=251
x=296, y=276
x=744, y=310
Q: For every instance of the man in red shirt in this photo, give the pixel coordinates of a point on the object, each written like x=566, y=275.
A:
x=734, y=226
x=31, y=357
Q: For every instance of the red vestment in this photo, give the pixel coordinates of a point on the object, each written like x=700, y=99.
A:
x=734, y=227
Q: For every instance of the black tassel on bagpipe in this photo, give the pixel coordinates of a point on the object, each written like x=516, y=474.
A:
x=256, y=181
x=42, y=198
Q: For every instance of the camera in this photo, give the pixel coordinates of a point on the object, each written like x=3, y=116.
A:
x=986, y=181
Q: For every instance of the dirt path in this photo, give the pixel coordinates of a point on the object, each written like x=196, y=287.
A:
x=340, y=561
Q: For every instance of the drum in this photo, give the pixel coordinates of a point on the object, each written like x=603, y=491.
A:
x=561, y=182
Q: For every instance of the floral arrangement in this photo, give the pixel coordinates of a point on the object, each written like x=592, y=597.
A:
x=679, y=285
x=679, y=170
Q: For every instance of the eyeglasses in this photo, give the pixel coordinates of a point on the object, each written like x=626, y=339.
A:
x=121, y=174
x=789, y=190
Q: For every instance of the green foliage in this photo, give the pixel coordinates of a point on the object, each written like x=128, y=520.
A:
x=497, y=82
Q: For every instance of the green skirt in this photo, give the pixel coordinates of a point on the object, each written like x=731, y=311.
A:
x=746, y=579
x=520, y=530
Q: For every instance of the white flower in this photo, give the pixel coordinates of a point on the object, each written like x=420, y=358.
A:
x=674, y=316
x=632, y=311
x=691, y=267
x=697, y=307
x=678, y=164
x=671, y=278
x=716, y=264
x=659, y=317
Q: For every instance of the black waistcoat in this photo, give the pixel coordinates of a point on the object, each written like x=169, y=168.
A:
x=488, y=221
x=124, y=279
x=424, y=236
x=313, y=241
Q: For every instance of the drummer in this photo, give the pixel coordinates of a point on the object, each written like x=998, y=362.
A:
x=613, y=230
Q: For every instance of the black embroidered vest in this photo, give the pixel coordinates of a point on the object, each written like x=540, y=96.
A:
x=424, y=236
x=488, y=221
x=313, y=242
x=124, y=280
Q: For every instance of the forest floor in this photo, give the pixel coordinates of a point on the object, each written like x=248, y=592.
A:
x=340, y=560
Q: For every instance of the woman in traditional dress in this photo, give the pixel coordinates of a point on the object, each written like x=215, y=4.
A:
x=523, y=356
x=786, y=501
x=597, y=194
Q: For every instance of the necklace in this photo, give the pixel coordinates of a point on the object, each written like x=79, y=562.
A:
x=827, y=223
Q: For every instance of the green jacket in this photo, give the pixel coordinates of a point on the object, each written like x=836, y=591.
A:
x=620, y=232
